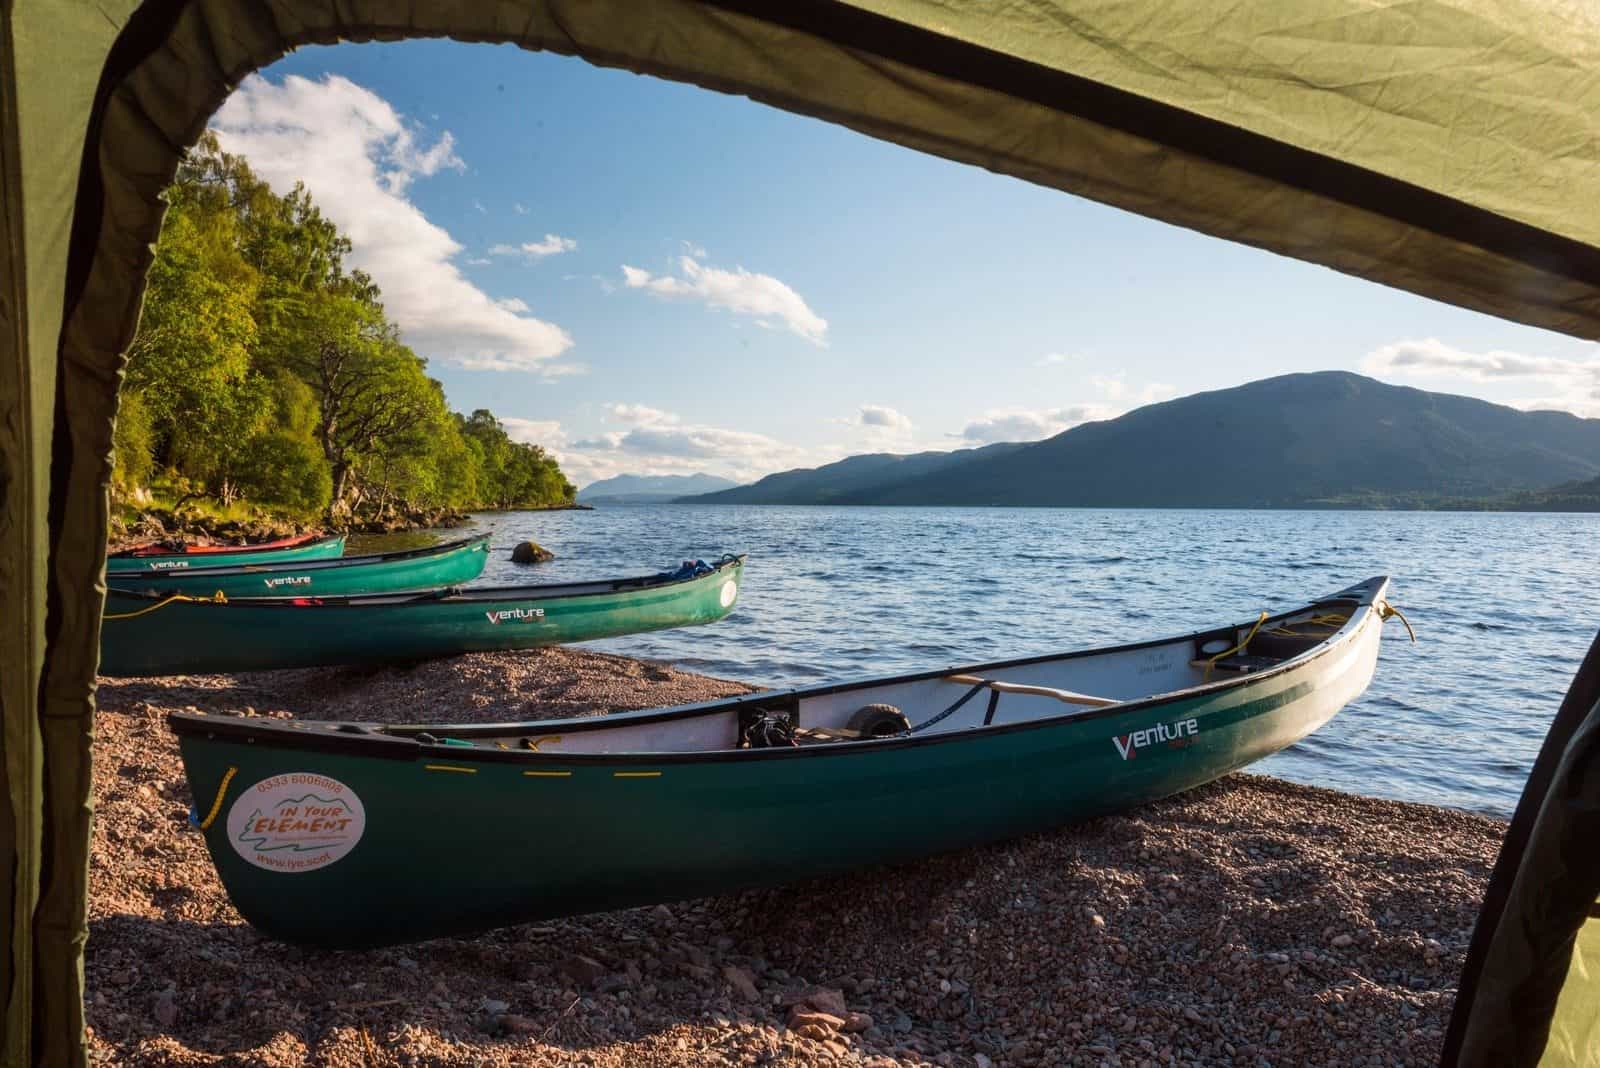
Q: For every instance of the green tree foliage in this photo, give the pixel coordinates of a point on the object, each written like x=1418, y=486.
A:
x=265, y=368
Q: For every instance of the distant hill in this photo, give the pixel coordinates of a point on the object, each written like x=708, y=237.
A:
x=855, y=480
x=1325, y=439
x=650, y=489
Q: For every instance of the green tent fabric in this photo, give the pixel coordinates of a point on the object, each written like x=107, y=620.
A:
x=1446, y=147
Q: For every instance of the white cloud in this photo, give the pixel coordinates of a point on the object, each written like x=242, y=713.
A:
x=740, y=291
x=1576, y=383
x=1115, y=387
x=552, y=245
x=519, y=209
x=477, y=205
x=544, y=432
x=1053, y=359
x=1032, y=424
x=357, y=156
x=697, y=251
x=478, y=262
x=638, y=414
x=1023, y=424
x=657, y=442
x=881, y=417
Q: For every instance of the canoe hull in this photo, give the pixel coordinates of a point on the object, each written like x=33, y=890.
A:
x=415, y=570
x=198, y=638
x=318, y=549
x=507, y=843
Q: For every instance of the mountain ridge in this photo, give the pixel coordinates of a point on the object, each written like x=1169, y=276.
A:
x=651, y=488
x=1316, y=439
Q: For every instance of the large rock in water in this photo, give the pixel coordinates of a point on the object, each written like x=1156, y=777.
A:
x=531, y=552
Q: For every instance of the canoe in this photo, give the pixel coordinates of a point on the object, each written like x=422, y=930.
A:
x=414, y=569
x=259, y=633
x=164, y=558
x=353, y=835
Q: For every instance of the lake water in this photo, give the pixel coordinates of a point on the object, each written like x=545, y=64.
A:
x=1504, y=606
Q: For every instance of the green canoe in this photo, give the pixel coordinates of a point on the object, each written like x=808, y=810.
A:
x=450, y=829
x=154, y=558
x=151, y=636
x=413, y=569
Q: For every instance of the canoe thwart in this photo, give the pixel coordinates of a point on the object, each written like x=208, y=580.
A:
x=1068, y=696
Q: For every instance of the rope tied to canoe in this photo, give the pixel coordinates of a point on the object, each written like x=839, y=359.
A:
x=1388, y=611
x=1331, y=620
x=216, y=598
x=1212, y=662
x=216, y=805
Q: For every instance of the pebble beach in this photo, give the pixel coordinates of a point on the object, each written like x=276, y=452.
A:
x=1250, y=922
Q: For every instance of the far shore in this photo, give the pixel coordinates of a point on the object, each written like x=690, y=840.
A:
x=1249, y=922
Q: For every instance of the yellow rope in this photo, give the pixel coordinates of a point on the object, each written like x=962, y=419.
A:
x=216, y=806
x=1389, y=611
x=1236, y=649
x=1326, y=619
x=216, y=598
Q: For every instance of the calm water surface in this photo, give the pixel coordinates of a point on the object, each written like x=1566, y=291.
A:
x=1504, y=606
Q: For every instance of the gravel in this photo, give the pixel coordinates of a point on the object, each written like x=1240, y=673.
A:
x=1250, y=922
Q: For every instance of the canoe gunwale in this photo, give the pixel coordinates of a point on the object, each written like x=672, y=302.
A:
x=459, y=595
x=397, y=742
x=334, y=563
x=155, y=551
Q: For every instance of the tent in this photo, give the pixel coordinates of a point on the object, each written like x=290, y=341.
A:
x=1446, y=147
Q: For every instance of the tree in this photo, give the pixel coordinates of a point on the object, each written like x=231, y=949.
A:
x=265, y=366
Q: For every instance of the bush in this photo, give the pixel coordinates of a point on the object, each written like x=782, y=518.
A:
x=283, y=469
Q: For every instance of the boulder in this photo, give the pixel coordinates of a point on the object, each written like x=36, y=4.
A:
x=531, y=552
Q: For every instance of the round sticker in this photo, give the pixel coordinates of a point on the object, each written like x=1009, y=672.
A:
x=297, y=822
x=730, y=590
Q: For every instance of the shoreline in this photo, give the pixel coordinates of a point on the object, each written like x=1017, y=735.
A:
x=1247, y=922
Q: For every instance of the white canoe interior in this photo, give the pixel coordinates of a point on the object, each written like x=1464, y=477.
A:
x=976, y=697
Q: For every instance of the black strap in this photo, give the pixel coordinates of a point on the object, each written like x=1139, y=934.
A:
x=994, y=703
x=969, y=695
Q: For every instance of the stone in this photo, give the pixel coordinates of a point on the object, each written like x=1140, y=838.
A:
x=742, y=981
x=513, y=1024
x=493, y=1007
x=166, y=1010
x=816, y=1032
x=583, y=971
x=1341, y=941
x=820, y=998
x=856, y=1022
x=531, y=552
x=801, y=1018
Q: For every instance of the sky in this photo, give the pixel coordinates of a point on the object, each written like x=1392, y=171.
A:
x=652, y=278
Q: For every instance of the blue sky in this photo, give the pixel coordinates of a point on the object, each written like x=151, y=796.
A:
x=652, y=278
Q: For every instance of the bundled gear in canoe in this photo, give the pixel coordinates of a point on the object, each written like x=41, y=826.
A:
x=413, y=569
x=156, y=634
x=165, y=557
x=465, y=827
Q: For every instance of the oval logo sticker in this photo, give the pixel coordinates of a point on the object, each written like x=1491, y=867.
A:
x=297, y=822
x=730, y=590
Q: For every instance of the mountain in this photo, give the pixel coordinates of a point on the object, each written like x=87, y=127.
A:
x=650, y=489
x=1329, y=438
x=854, y=480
